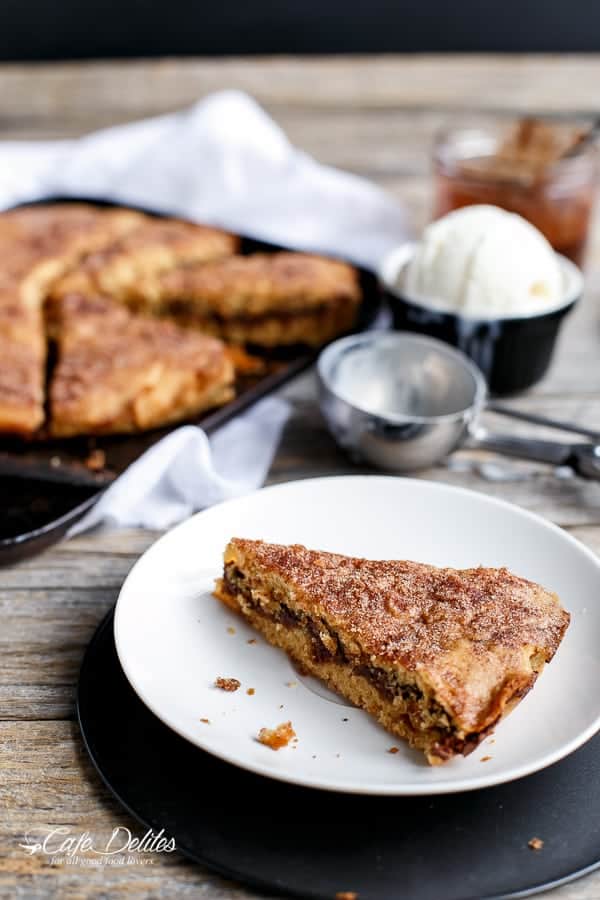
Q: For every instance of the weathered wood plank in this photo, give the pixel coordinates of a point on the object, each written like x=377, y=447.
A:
x=47, y=780
x=543, y=82
x=73, y=568
x=41, y=647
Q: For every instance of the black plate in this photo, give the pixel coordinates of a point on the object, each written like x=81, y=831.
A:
x=312, y=844
x=46, y=486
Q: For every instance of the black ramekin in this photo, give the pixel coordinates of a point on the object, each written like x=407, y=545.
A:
x=513, y=353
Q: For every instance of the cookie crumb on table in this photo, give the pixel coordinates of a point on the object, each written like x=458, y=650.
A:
x=231, y=630
x=393, y=750
x=278, y=737
x=205, y=721
x=251, y=641
x=535, y=843
x=227, y=684
x=244, y=363
x=250, y=692
x=485, y=759
x=346, y=895
x=96, y=460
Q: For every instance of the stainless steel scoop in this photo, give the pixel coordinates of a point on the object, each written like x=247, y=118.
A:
x=403, y=402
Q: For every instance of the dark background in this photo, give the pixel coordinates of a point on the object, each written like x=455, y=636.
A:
x=71, y=29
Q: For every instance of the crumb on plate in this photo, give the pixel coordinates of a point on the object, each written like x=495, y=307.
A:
x=227, y=684
x=231, y=630
x=535, y=843
x=205, y=721
x=278, y=737
x=250, y=692
x=485, y=759
x=393, y=750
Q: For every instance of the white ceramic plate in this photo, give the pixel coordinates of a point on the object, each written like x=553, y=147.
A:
x=173, y=638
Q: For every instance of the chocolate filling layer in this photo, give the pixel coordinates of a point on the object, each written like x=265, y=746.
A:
x=181, y=307
x=327, y=647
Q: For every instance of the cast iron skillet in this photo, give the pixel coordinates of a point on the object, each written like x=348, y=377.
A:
x=46, y=487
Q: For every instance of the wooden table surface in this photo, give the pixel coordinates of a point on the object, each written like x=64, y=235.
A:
x=376, y=117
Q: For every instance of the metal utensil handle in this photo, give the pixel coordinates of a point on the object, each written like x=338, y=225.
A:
x=512, y=413
x=583, y=458
x=552, y=452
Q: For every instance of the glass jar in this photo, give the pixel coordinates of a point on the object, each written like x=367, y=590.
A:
x=516, y=165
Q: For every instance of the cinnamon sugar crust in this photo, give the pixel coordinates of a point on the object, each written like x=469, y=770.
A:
x=150, y=249
x=437, y=654
x=266, y=299
x=50, y=253
x=74, y=229
x=121, y=372
x=37, y=245
x=21, y=378
x=261, y=284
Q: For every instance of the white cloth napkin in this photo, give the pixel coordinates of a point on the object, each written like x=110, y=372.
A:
x=225, y=162
x=178, y=476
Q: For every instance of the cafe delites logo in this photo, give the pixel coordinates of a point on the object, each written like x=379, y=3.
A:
x=63, y=846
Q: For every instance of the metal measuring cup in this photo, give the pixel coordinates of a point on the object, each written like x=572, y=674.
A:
x=403, y=402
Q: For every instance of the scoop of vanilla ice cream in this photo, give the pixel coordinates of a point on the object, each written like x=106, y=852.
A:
x=484, y=261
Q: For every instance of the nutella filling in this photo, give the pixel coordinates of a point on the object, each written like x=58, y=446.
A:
x=181, y=307
x=327, y=647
